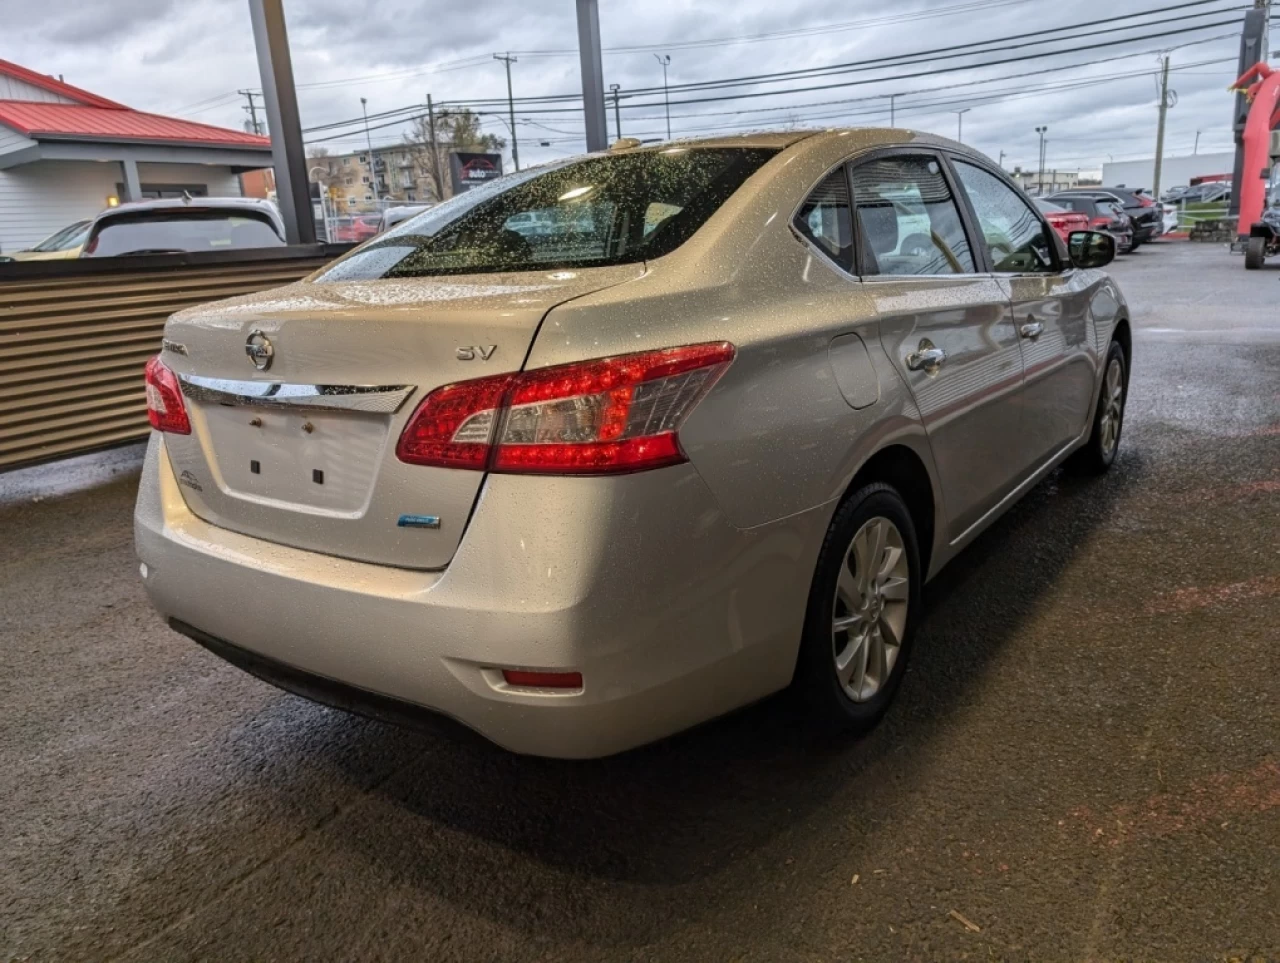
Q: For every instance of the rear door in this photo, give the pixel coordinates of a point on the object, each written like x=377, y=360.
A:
x=1050, y=312
x=946, y=324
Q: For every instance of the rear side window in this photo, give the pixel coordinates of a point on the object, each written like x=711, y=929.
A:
x=618, y=209
x=1017, y=240
x=180, y=231
x=825, y=220
x=909, y=219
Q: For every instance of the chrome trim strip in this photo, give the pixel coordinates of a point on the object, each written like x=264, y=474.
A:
x=383, y=399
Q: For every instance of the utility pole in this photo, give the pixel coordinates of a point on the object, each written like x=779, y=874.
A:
x=1040, y=168
x=892, y=99
x=1164, y=109
x=435, y=150
x=960, y=122
x=511, y=108
x=1001, y=160
x=665, y=60
x=593, y=109
x=1196, y=149
x=252, y=109
x=617, y=112
x=373, y=164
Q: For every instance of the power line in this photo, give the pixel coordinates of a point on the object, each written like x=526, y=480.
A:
x=854, y=66
x=997, y=45
x=980, y=98
x=827, y=28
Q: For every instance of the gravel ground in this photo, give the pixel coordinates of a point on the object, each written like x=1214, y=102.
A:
x=1084, y=762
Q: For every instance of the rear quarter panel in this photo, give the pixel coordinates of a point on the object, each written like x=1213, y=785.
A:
x=776, y=437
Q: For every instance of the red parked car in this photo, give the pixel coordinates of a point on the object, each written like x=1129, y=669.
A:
x=1097, y=213
x=1062, y=220
x=353, y=230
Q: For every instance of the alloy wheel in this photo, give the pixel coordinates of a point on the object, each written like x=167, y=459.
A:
x=1112, y=408
x=869, y=615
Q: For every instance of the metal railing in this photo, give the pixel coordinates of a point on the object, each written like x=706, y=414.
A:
x=75, y=335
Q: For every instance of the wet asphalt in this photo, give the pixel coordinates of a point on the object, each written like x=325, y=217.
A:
x=1083, y=763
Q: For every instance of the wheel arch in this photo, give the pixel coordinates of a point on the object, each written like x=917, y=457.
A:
x=1124, y=335
x=901, y=466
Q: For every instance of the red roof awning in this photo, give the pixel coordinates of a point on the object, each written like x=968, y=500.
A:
x=72, y=121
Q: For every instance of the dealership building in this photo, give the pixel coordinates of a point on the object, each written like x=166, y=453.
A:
x=66, y=153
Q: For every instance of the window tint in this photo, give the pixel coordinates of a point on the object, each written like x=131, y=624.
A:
x=617, y=209
x=824, y=219
x=164, y=232
x=909, y=219
x=71, y=236
x=1018, y=241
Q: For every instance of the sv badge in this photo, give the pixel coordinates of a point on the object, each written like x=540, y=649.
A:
x=470, y=352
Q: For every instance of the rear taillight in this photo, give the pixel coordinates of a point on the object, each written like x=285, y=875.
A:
x=612, y=415
x=165, y=408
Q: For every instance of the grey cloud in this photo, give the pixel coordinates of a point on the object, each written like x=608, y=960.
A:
x=192, y=57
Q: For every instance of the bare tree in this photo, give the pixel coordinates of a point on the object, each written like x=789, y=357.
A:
x=455, y=130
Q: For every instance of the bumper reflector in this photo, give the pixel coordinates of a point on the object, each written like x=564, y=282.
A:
x=543, y=680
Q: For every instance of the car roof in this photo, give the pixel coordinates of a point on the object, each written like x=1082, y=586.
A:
x=817, y=140
x=261, y=208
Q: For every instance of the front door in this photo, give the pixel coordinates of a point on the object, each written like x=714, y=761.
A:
x=1050, y=304
x=947, y=326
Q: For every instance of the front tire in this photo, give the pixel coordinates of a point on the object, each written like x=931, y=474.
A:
x=1255, y=253
x=1099, y=452
x=862, y=611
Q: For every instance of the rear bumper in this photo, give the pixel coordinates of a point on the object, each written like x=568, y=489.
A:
x=671, y=614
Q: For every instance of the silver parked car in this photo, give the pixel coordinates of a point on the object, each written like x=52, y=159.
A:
x=703, y=438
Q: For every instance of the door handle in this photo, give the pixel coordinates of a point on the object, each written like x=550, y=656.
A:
x=926, y=358
x=1032, y=329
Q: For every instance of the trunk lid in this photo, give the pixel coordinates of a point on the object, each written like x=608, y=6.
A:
x=301, y=452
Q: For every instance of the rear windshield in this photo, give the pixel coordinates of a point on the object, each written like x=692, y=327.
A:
x=71, y=236
x=599, y=211
x=180, y=231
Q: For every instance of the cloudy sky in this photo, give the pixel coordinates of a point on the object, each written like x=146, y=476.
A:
x=189, y=57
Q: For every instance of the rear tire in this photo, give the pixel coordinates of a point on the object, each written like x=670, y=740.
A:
x=862, y=612
x=1255, y=253
x=1099, y=452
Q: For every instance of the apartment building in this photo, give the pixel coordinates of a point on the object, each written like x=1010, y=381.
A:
x=354, y=184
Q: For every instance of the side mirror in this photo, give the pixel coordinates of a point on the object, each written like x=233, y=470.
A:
x=1091, y=249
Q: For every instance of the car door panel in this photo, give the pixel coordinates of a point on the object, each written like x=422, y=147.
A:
x=1050, y=314
x=946, y=325
x=969, y=406
x=1059, y=362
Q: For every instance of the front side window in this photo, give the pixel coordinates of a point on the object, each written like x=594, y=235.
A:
x=618, y=209
x=1017, y=240
x=909, y=219
x=825, y=220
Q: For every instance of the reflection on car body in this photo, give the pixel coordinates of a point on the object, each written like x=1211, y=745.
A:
x=738, y=400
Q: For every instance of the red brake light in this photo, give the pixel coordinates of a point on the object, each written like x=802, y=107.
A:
x=453, y=427
x=165, y=408
x=612, y=415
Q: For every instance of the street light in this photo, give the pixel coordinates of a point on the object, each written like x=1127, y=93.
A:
x=960, y=122
x=373, y=170
x=1040, y=173
x=324, y=193
x=665, y=60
